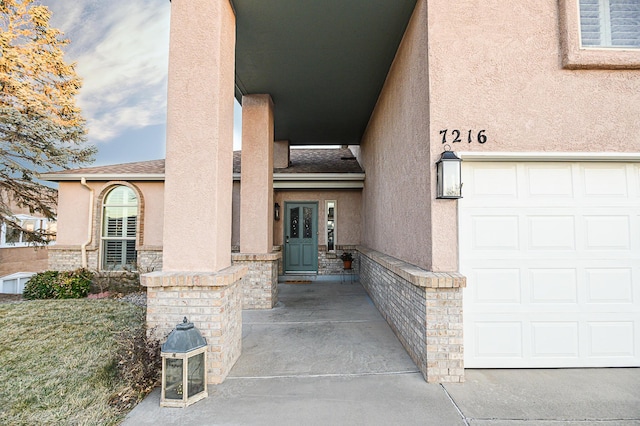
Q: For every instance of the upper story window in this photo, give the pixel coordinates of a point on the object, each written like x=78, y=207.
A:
x=15, y=236
x=600, y=34
x=119, y=225
x=610, y=23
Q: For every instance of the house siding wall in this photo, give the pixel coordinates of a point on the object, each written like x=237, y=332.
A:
x=475, y=66
x=73, y=212
x=395, y=155
x=73, y=219
x=23, y=259
x=348, y=222
x=509, y=80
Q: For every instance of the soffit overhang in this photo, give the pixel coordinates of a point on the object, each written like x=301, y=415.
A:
x=323, y=62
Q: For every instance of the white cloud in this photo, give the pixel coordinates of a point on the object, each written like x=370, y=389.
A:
x=121, y=49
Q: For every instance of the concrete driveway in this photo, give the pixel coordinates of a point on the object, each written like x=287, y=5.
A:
x=325, y=356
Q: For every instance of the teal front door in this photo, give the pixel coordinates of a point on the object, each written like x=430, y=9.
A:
x=301, y=237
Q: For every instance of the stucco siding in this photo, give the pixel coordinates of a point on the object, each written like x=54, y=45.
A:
x=73, y=212
x=395, y=155
x=500, y=68
x=153, y=193
x=348, y=222
x=471, y=67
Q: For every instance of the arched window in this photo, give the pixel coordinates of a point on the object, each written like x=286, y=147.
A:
x=119, y=224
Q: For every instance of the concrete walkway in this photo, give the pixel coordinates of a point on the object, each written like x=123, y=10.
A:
x=325, y=356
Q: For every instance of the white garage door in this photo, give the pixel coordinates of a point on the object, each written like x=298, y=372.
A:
x=551, y=252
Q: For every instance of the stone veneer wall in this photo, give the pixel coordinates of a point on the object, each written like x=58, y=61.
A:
x=211, y=301
x=260, y=284
x=329, y=263
x=423, y=308
x=149, y=260
x=68, y=259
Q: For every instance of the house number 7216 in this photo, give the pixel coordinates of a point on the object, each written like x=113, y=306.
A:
x=455, y=136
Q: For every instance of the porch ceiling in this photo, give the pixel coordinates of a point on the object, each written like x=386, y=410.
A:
x=323, y=62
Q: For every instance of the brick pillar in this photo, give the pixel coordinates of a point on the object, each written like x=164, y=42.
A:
x=197, y=280
x=213, y=302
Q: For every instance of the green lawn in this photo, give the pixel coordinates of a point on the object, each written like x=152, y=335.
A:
x=58, y=362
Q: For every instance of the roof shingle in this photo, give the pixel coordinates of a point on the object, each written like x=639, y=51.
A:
x=301, y=161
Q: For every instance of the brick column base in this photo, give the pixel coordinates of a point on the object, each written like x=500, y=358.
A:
x=211, y=301
x=423, y=308
x=260, y=285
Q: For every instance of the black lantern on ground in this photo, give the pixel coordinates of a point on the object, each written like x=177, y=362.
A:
x=184, y=368
x=276, y=211
x=449, y=175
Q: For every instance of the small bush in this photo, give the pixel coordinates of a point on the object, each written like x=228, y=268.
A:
x=58, y=285
x=139, y=366
x=73, y=284
x=123, y=282
x=41, y=286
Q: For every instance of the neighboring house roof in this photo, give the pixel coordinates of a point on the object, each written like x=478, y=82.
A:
x=308, y=168
x=143, y=170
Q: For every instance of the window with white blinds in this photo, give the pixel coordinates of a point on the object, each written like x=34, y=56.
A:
x=610, y=23
x=119, y=225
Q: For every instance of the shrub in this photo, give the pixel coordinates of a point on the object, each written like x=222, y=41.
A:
x=124, y=282
x=41, y=286
x=139, y=366
x=121, y=281
x=73, y=284
x=58, y=285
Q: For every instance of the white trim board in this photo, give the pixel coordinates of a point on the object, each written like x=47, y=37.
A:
x=134, y=177
x=626, y=157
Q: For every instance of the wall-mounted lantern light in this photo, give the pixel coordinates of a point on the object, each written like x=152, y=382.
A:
x=276, y=211
x=184, y=368
x=449, y=175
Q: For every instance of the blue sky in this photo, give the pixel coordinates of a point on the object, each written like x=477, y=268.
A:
x=121, y=49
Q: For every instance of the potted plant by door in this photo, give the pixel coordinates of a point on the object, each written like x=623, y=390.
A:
x=347, y=258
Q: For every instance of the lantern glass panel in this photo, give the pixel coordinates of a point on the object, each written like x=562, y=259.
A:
x=451, y=176
x=196, y=374
x=440, y=179
x=173, y=378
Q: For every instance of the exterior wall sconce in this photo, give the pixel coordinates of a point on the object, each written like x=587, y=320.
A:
x=184, y=371
x=449, y=175
x=276, y=211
